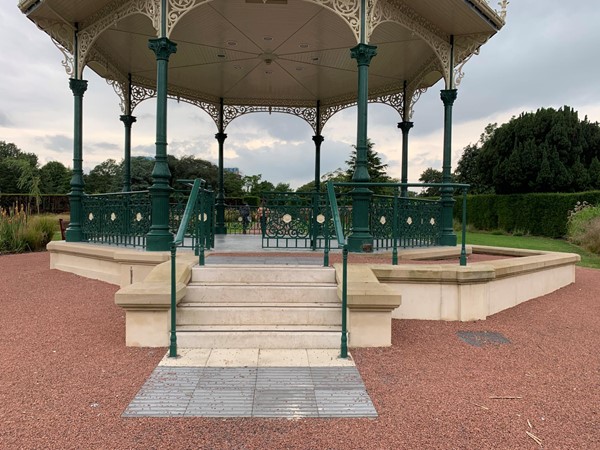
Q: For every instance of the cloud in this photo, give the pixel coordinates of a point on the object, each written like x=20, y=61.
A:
x=4, y=121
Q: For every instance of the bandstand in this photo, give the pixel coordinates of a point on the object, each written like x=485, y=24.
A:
x=308, y=58
x=311, y=59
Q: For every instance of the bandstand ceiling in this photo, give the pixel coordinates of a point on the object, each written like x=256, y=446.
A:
x=255, y=52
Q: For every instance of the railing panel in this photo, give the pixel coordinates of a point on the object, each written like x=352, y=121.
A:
x=418, y=222
x=118, y=218
x=297, y=219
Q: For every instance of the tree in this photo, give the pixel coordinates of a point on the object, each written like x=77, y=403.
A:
x=544, y=151
x=55, y=178
x=594, y=172
x=233, y=185
x=11, y=170
x=431, y=175
x=105, y=177
x=282, y=187
x=468, y=172
x=375, y=167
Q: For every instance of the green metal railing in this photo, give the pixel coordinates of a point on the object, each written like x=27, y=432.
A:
x=297, y=219
x=414, y=222
x=193, y=216
x=124, y=218
x=332, y=207
x=121, y=218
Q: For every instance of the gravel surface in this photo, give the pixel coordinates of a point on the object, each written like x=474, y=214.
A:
x=66, y=377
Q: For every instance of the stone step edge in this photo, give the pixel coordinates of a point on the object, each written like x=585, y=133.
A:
x=279, y=267
x=282, y=284
x=316, y=305
x=296, y=329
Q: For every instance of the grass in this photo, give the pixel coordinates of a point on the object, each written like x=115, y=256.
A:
x=588, y=259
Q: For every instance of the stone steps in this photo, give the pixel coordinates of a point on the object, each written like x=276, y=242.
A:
x=259, y=313
x=259, y=336
x=247, y=306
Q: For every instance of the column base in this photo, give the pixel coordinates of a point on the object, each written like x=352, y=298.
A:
x=448, y=239
x=73, y=235
x=158, y=241
x=360, y=243
x=220, y=229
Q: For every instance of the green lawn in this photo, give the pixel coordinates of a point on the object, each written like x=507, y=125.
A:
x=533, y=243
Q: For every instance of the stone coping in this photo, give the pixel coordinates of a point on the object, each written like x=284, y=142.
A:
x=521, y=262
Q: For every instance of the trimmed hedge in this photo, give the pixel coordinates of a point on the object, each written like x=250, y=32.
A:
x=52, y=204
x=535, y=214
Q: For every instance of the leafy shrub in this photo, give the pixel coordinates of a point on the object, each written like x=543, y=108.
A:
x=584, y=226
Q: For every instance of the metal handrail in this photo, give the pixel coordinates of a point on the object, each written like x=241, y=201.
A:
x=342, y=243
x=178, y=240
x=332, y=207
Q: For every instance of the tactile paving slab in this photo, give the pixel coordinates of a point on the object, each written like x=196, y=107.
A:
x=286, y=392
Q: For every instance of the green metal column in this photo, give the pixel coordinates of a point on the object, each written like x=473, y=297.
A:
x=318, y=140
x=128, y=120
x=221, y=228
x=74, y=232
x=448, y=236
x=405, y=126
x=159, y=238
x=361, y=197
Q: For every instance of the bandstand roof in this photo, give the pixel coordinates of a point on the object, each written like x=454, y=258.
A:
x=270, y=53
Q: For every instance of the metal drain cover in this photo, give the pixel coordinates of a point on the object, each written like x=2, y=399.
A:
x=481, y=338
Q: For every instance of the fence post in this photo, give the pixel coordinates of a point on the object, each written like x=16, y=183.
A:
x=173, y=337
x=463, y=250
x=344, y=347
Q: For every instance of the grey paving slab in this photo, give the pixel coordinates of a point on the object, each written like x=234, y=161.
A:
x=252, y=392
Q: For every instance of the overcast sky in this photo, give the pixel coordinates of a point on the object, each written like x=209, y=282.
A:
x=546, y=56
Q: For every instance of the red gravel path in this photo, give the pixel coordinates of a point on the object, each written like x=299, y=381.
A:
x=66, y=377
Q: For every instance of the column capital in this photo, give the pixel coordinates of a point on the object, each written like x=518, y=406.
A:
x=448, y=96
x=221, y=137
x=128, y=120
x=318, y=139
x=363, y=53
x=405, y=126
x=162, y=47
x=78, y=87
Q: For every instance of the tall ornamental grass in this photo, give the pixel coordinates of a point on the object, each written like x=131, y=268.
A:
x=21, y=232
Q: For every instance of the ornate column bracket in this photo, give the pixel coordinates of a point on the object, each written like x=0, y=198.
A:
x=402, y=14
x=108, y=16
x=74, y=232
x=61, y=35
x=348, y=10
x=465, y=48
